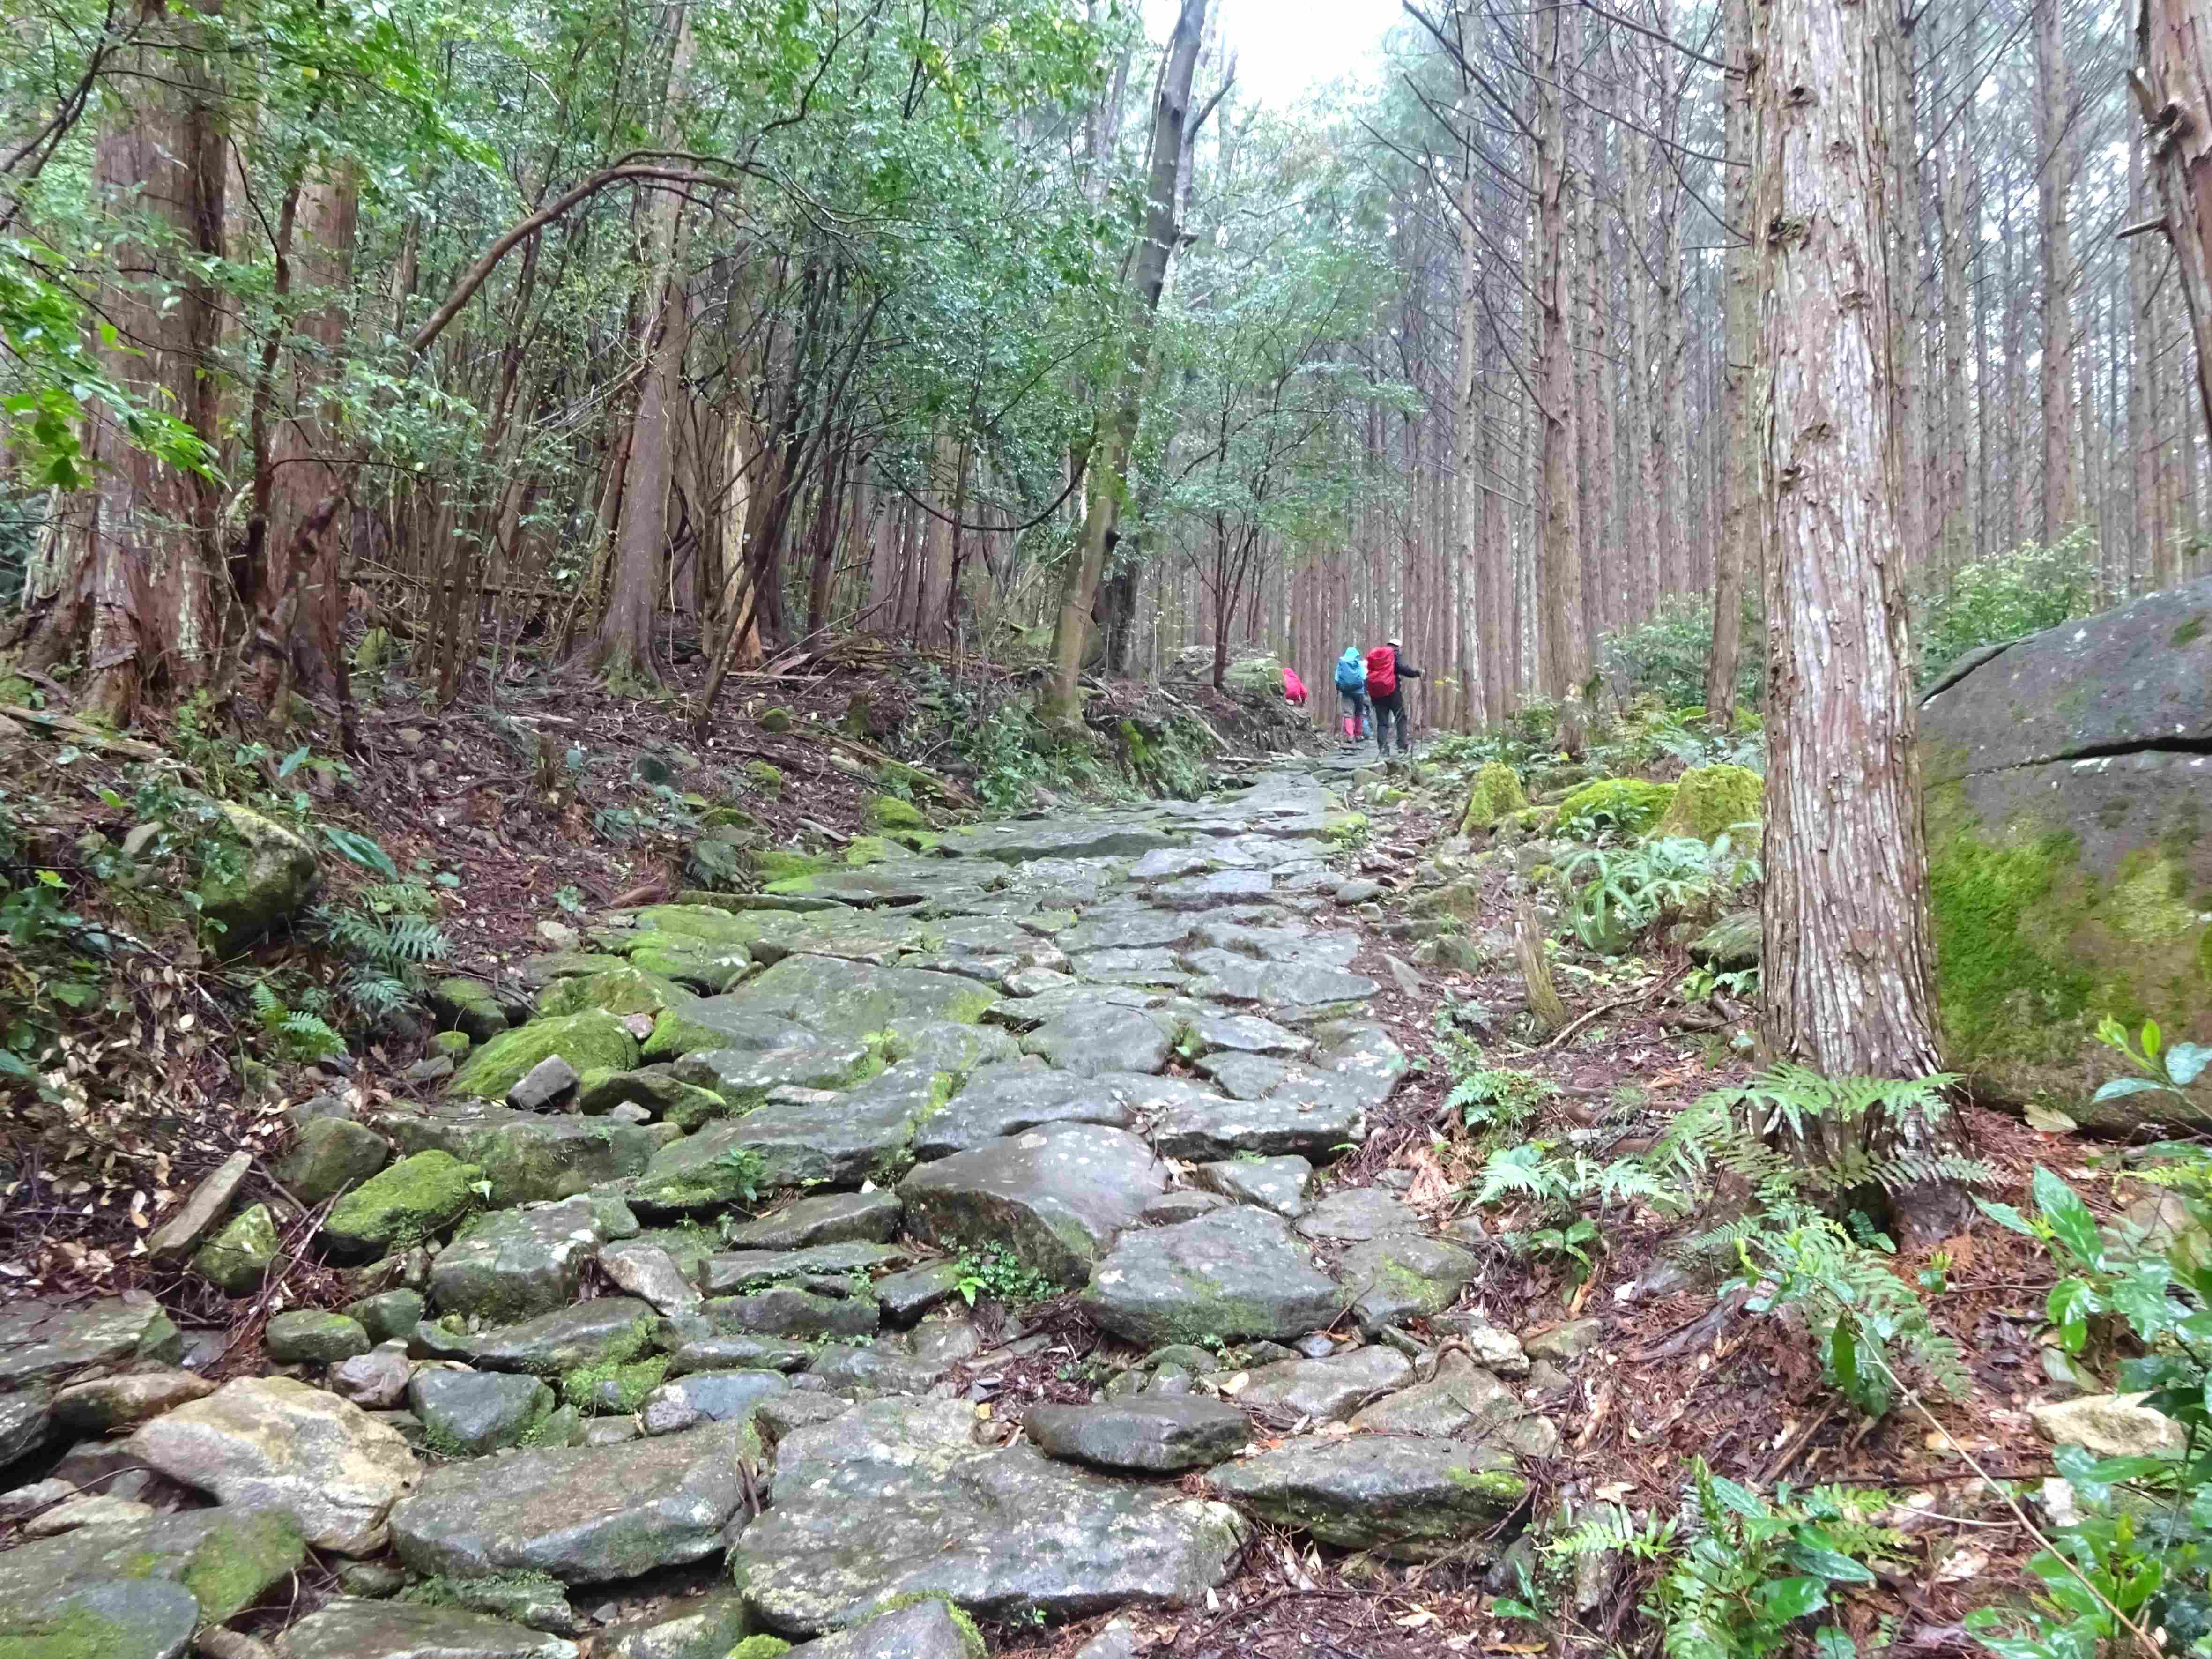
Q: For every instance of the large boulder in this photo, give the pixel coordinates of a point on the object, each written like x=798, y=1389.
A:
x=516, y=1264
x=2067, y=784
x=1234, y=1273
x=1403, y=1496
x=226, y=1558
x=350, y=1629
x=525, y=1157
x=269, y=1442
x=895, y=1498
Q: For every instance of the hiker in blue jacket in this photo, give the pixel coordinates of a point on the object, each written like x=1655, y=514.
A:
x=1352, y=686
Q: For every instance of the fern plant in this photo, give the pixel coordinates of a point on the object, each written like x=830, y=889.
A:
x=1617, y=891
x=1498, y=1098
x=389, y=940
x=294, y=1033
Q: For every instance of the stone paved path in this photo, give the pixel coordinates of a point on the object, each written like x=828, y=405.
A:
x=742, y=1155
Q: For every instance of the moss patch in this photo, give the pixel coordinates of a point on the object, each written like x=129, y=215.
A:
x=586, y=1041
x=761, y=1647
x=625, y=990
x=779, y=864
x=239, y=1561
x=1628, y=806
x=1711, y=800
x=1496, y=792
x=889, y=812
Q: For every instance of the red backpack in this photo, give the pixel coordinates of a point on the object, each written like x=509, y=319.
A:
x=1382, y=671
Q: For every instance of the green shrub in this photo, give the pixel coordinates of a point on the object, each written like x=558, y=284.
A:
x=1668, y=655
x=1625, y=807
x=2005, y=596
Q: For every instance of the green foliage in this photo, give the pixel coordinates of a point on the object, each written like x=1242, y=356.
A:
x=2138, y=1558
x=989, y=1270
x=1621, y=808
x=1499, y=1099
x=297, y=1034
x=2159, y=1069
x=1747, y=1569
x=2004, y=596
x=1669, y=655
x=1616, y=893
x=1009, y=751
x=389, y=941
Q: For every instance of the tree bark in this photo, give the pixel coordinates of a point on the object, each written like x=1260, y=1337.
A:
x=1115, y=426
x=2173, y=88
x=1740, y=530
x=1848, y=956
x=2061, y=506
x=1566, y=643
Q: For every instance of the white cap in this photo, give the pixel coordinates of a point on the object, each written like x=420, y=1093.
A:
x=1393, y=644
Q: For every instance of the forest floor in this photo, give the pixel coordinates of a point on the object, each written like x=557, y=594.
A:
x=1678, y=1368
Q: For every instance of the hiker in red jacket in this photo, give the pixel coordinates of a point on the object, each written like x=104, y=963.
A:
x=1384, y=670
x=1294, y=689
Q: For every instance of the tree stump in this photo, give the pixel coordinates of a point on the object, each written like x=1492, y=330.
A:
x=1536, y=967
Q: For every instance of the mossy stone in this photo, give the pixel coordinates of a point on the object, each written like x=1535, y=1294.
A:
x=455, y=1045
x=777, y=721
x=763, y=1646
x=309, y=1336
x=780, y=864
x=588, y=1040
x=236, y=1259
x=628, y=989
x=414, y=1199
x=389, y=1315
x=333, y=1153
x=238, y=1562
x=765, y=778
x=468, y=1005
x=1628, y=806
x=1495, y=792
x=1710, y=801
x=869, y=849
x=889, y=812
x=268, y=875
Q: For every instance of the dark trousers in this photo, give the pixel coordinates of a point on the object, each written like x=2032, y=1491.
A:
x=1387, y=706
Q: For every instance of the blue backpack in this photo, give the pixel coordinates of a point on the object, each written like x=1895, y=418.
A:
x=1351, y=674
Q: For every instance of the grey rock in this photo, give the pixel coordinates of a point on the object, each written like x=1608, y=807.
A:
x=650, y=1274
x=375, y=1381
x=25, y=1423
x=1211, y=1031
x=1402, y=1276
x=584, y=1515
x=351, y=1629
x=1235, y=1273
x=780, y=1413
x=851, y=999
x=1092, y=835
x=944, y=1045
x=273, y=1443
x=1329, y=1390
x=830, y=1269
x=707, y=1397
x=544, y=1086
x=759, y=1052
x=1565, y=1343
x=839, y=1140
x=905, y=1298
x=551, y=1343
x=201, y=1212
x=697, y=1627
x=389, y=1314
x=1356, y=1213
x=1089, y=1040
x=106, y=1618
x=831, y=1218
x=1279, y=1184
x=1055, y=1197
x=109, y=1403
x=1404, y=1496
x=527, y=1156
x=1464, y=1402
x=1358, y=892
x=94, y=1509
x=1203, y=1127
x=1496, y=1351
x=1152, y=1434
x=312, y=1337
x=1005, y=1099
x=696, y=1344
x=1116, y=1641
x=1187, y=1205
x=783, y=1311
x=1730, y=945
x=236, y=1259
x=514, y=1264
x=895, y=1497
x=476, y=1412
x=1300, y=990
x=927, y=1630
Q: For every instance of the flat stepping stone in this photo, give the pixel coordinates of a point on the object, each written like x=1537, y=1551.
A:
x=1055, y=1197
x=785, y=1310
x=945, y=1045
x=1235, y=1274
x=1205, y=892
x=1297, y=989
x=108, y=1404
x=527, y=1156
x=1090, y=1040
x=1005, y=1099
x=107, y=1619
x=836, y=1140
x=695, y=1343
x=1462, y=1401
x=852, y=1000
x=707, y=1397
x=1137, y=967
x=1366, y=1055
x=516, y=1264
x=1188, y=1204
x=1328, y=1389
x=201, y=1212
x=352, y=1629
x=1212, y=1031
x=1154, y=1435
x=744, y=1075
x=1408, y=1497
x=697, y=1627
x=1027, y=1013
x=905, y=1298
x=228, y=1558
x=728, y=1271
x=830, y=1218
x=907, y=1363
x=927, y=1630
x=545, y=1346
x=474, y=1413
x=43, y=1341
x=269, y=1442
x=1355, y=1214
x=1218, y=942
x=1031, y=843
x=1400, y=1276
x=1280, y=1184
x=895, y=1497
x=1137, y=928
x=585, y=1515
x=1205, y=1128
x=648, y=1272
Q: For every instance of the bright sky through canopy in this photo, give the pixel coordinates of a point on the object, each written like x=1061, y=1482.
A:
x=1286, y=47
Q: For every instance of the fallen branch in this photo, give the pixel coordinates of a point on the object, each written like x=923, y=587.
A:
x=944, y=789
x=1603, y=1008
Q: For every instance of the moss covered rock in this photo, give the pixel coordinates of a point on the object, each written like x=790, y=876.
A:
x=236, y=1259
x=262, y=874
x=1496, y=792
x=780, y=864
x=468, y=1005
x=1711, y=800
x=414, y=1199
x=764, y=777
x=627, y=990
x=1627, y=806
x=777, y=719
x=586, y=1041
